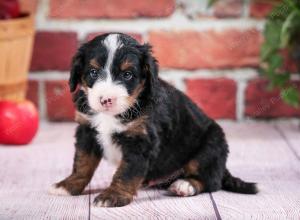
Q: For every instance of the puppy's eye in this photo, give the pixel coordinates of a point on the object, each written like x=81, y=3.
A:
x=93, y=73
x=127, y=75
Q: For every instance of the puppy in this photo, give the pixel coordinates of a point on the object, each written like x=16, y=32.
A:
x=153, y=132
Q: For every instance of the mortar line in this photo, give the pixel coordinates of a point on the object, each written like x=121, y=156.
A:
x=240, y=99
x=246, y=8
x=139, y=25
x=42, y=99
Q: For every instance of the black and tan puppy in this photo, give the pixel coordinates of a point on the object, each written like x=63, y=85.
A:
x=149, y=129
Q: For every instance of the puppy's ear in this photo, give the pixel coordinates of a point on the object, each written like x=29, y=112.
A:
x=149, y=63
x=77, y=69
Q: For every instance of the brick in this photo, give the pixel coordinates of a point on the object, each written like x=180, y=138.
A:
x=32, y=92
x=260, y=9
x=53, y=50
x=216, y=97
x=59, y=101
x=210, y=49
x=111, y=9
x=29, y=5
x=262, y=103
x=228, y=8
x=136, y=36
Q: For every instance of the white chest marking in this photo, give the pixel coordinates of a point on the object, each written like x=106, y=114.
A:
x=106, y=125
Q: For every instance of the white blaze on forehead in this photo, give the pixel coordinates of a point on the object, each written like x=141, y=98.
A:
x=111, y=43
x=107, y=88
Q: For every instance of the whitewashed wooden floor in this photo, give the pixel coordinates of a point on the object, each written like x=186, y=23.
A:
x=268, y=153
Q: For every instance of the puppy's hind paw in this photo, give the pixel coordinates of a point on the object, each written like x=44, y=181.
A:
x=182, y=188
x=58, y=190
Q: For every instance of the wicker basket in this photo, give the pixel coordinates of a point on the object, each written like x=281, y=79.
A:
x=16, y=40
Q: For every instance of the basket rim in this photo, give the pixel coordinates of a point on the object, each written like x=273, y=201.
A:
x=26, y=18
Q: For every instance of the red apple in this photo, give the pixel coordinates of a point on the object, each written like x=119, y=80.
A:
x=19, y=122
x=9, y=9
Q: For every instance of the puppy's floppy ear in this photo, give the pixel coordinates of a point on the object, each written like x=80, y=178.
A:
x=77, y=69
x=149, y=63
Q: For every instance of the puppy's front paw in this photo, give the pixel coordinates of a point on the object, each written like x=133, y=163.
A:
x=58, y=190
x=111, y=198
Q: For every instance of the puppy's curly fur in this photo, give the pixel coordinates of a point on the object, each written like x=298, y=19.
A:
x=148, y=128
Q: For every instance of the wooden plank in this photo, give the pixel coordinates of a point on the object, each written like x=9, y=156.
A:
x=150, y=203
x=27, y=172
x=291, y=133
x=259, y=154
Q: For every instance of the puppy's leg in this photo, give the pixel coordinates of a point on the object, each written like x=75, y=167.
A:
x=83, y=170
x=205, y=171
x=188, y=185
x=129, y=175
x=86, y=160
x=122, y=188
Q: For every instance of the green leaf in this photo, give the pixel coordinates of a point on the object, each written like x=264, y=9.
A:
x=211, y=2
x=272, y=39
x=282, y=30
x=289, y=28
x=271, y=32
x=272, y=69
x=294, y=5
x=290, y=96
x=275, y=61
x=280, y=80
x=267, y=50
x=281, y=11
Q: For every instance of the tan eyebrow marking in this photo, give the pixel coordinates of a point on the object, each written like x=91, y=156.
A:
x=94, y=63
x=126, y=64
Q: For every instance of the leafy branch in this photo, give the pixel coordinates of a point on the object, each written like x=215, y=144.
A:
x=281, y=33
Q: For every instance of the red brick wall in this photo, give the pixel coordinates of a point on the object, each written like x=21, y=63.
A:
x=211, y=54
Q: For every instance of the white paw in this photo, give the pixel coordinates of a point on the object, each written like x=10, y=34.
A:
x=59, y=191
x=101, y=203
x=182, y=188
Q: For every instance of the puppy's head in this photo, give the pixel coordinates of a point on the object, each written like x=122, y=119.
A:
x=113, y=70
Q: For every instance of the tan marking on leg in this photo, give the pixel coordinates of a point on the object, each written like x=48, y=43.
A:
x=129, y=187
x=191, y=168
x=197, y=184
x=83, y=170
x=120, y=192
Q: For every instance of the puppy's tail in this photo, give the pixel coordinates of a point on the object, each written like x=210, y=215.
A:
x=234, y=184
